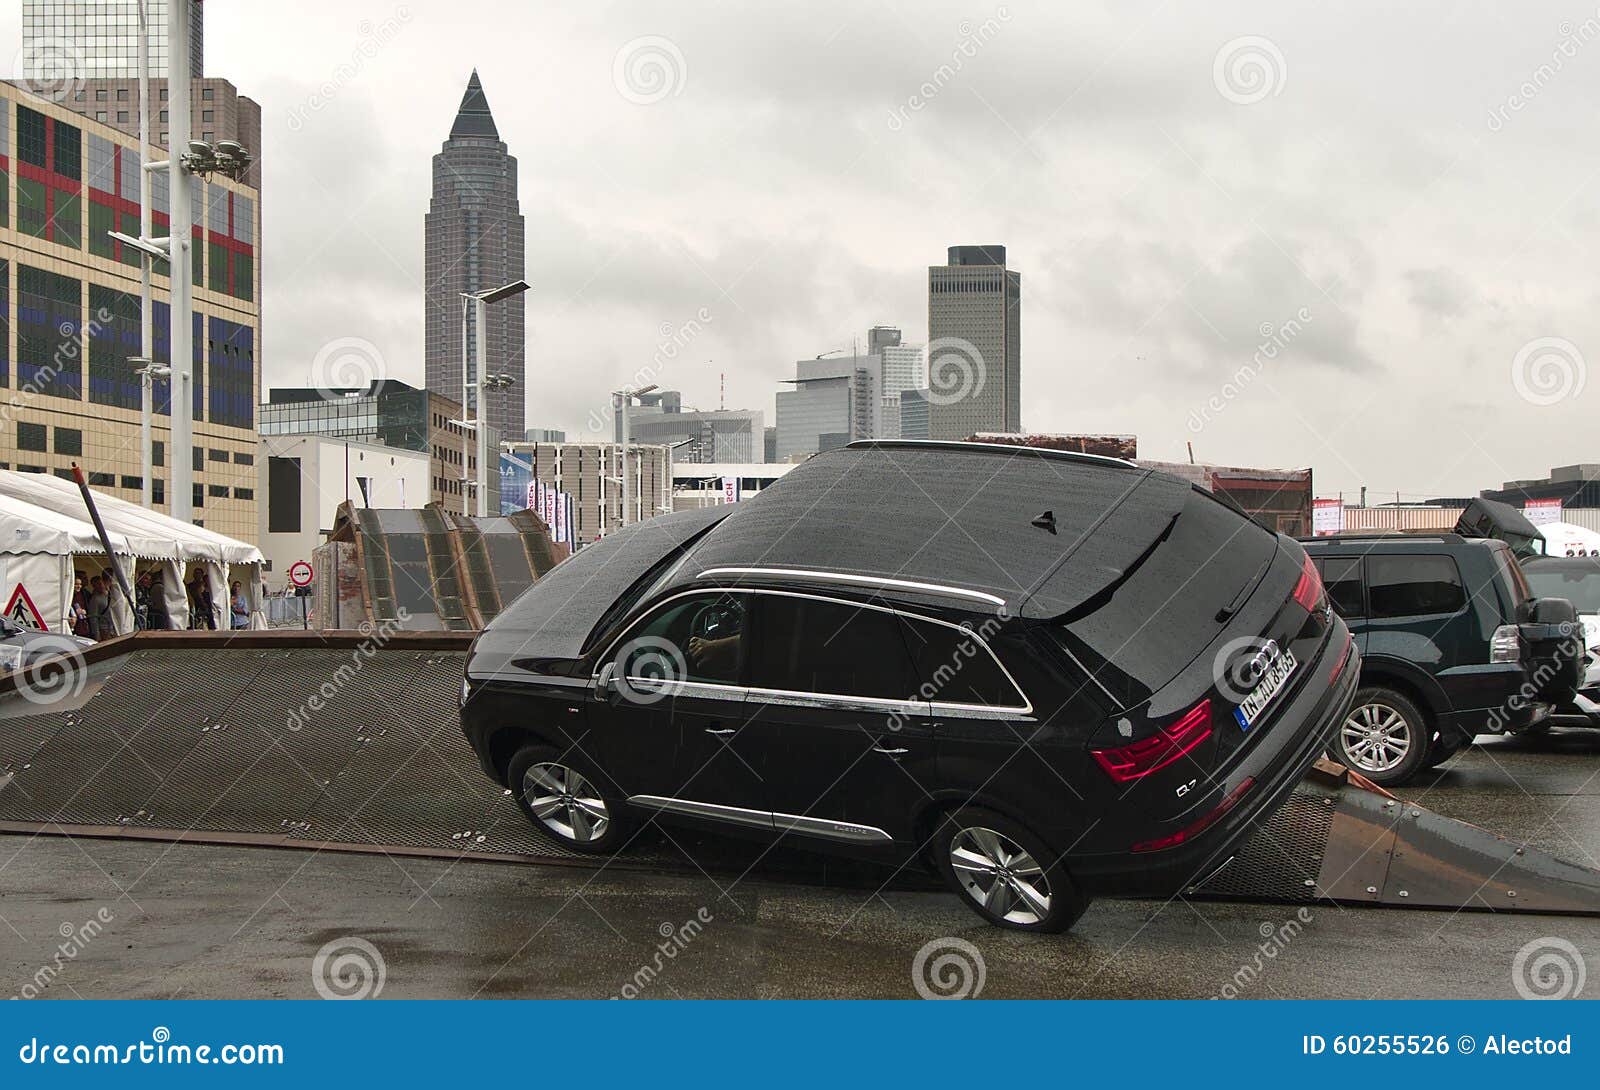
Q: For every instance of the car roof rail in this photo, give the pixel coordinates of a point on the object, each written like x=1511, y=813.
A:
x=1447, y=537
x=980, y=447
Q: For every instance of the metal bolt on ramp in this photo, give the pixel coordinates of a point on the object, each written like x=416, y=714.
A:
x=208, y=738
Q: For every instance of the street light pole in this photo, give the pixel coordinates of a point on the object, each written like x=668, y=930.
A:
x=466, y=432
x=473, y=380
x=147, y=491
x=500, y=382
x=180, y=265
x=625, y=398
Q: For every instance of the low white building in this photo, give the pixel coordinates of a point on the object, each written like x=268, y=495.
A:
x=304, y=479
x=703, y=484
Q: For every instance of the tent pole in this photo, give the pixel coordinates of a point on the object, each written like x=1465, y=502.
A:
x=105, y=539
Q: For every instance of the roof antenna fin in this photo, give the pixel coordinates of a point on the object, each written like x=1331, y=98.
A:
x=1046, y=521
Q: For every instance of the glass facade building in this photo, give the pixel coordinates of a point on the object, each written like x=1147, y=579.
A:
x=99, y=39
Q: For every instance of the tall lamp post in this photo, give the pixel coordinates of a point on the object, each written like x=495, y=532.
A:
x=476, y=303
x=500, y=383
x=148, y=371
x=624, y=398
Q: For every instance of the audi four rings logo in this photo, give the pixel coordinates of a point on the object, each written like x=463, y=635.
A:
x=1253, y=669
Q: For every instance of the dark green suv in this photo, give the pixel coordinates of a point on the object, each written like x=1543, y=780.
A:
x=1452, y=645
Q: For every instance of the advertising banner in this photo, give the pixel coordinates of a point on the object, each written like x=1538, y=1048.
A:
x=1542, y=512
x=1327, y=517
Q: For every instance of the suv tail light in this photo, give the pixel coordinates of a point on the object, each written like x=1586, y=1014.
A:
x=1136, y=760
x=1506, y=644
x=1308, y=591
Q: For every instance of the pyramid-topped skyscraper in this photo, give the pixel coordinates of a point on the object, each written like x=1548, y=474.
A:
x=473, y=242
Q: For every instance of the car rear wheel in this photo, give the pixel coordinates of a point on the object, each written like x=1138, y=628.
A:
x=1005, y=873
x=1385, y=737
x=565, y=803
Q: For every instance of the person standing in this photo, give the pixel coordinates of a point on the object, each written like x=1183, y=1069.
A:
x=238, y=608
x=102, y=625
x=80, y=607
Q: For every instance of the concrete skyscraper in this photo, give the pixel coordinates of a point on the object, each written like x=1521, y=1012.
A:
x=474, y=242
x=974, y=344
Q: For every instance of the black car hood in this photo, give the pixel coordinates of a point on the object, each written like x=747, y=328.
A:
x=551, y=619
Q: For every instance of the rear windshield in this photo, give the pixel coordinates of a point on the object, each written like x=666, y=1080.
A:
x=1580, y=586
x=1139, y=635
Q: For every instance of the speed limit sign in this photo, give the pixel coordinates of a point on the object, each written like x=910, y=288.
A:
x=300, y=573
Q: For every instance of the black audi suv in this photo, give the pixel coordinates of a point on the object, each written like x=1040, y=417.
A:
x=1048, y=676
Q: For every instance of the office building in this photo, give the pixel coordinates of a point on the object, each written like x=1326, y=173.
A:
x=544, y=435
x=70, y=322
x=706, y=484
x=591, y=473
x=99, y=39
x=718, y=435
x=974, y=344
x=394, y=414
x=835, y=400
x=303, y=479
x=902, y=370
x=473, y=242
x=913, y=414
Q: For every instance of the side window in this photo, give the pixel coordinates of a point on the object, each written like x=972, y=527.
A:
x=700, y=638
x=1341, y=575
x=1405, y=586
x=956, y=668
x=830, y=649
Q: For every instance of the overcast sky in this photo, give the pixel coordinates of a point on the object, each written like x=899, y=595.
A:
x=1411, y=192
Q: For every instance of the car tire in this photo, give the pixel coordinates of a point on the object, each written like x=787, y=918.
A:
x=563, y=798
x=1446, y=746
x=1004, y=873
x=1384, y=736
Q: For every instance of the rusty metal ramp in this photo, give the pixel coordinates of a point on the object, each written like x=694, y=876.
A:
x=350, y=742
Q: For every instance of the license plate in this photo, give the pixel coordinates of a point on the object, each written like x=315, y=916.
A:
x=1251, y=707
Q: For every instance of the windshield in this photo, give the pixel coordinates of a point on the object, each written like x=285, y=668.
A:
x=1580, y=586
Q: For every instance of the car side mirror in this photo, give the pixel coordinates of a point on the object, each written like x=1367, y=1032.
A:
x=605, y=683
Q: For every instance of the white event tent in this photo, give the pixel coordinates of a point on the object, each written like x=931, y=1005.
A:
x=46, y=536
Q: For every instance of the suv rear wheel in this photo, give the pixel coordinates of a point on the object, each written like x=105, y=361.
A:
x=1385, y=737
x=1005, y=873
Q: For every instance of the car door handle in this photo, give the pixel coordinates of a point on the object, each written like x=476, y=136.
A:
x=721, y=732
x=890, y=752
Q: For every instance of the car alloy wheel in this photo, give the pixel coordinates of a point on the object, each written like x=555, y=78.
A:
x=1000, y=875
x=567, y=803
x=1376, y=737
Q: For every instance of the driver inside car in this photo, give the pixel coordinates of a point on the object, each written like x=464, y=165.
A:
x=715, y=651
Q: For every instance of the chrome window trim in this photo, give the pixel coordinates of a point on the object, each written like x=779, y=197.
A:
x=851, y=831
x=870, y=703
x=863, y=580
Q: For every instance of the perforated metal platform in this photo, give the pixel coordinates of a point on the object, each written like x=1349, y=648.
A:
x=330, y=741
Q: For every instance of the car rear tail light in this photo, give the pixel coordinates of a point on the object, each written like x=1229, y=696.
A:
x=1136, y=760
x=1189, y=832
x=1344, y=657
x=1506, y=644
x=1308, y=591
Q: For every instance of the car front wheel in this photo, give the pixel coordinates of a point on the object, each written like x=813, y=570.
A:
x=564, y=803
x=1005, y=873
x=1385, y=737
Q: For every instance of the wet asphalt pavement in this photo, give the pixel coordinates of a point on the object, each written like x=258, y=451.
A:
x=192, y=921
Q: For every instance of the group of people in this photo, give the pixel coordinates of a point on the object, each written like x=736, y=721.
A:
x=93, y=615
